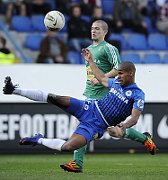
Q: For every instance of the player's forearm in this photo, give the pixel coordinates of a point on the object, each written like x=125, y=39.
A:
x=131, y=122
x=96, y=71
x=112, y=73
x=98, y=74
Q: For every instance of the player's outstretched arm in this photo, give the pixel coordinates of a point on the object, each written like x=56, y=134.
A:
x=36, y=95
x=132, y=120
x=96, y=71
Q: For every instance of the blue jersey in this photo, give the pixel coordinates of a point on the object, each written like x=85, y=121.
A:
x=115, y=107
x=118, y=104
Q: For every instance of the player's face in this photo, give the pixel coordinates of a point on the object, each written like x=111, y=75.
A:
x=97, y=32
x=125, y=77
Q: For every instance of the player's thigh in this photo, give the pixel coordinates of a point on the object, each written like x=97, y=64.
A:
x=77, y=122
x=75, y=107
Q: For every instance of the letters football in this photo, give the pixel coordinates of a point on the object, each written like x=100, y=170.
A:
x=54, y=21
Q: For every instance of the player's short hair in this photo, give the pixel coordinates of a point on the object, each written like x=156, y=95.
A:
x=128, y=66
x=103, y=23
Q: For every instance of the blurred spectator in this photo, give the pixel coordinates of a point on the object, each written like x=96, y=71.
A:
x=148, y=8
x=97, y=14
x=64, y=6
x=6, y=56
x=38, y=7
x=15, y=7
x=143, y=6
x=52, y=49
x=87, y=6
x=2, y=7
x=162, y=16
x=127, y=15
x=78, y=30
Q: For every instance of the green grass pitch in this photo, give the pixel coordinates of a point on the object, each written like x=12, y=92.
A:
x=97, y=167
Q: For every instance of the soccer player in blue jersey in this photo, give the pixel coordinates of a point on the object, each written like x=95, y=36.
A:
x=124, y=99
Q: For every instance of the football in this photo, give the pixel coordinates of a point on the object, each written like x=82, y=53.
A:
x=54, y=21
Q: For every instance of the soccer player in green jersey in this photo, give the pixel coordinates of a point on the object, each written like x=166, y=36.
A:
x=107, y=59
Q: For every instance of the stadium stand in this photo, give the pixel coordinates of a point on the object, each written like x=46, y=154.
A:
x=157, y=41
x=165, y=58
x=86, y=18
x=33, y=41
x=74, y=57
x=152, y=58
x=137, y=41
x=120, y=38
x=133, y=57
x=149, y=24
x=107, y=6
x=64, y=29
x=21, y=24
x=38, y=23
x=135, y=47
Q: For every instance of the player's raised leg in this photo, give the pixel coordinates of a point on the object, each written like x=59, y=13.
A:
x=37, y=95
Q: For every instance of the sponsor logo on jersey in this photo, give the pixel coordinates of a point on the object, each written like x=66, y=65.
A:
x=140, y=103
x=128, y=93
x=97, y=61
x=90, y=74
x=119, y=95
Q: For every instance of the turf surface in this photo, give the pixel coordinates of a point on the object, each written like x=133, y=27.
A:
x=97, y=167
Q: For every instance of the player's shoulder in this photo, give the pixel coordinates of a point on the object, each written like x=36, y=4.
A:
x=90, y=46
x=139, y=91
x=109, y=46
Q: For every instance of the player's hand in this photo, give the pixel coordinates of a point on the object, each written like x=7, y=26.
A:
x=87, y=55
x=94, y=81
x=115, y=131
x=122, y=126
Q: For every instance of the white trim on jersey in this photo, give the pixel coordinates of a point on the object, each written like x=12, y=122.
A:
x=113, y=54
x=101, y=114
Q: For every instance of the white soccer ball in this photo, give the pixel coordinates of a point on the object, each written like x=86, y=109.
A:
x=54, y=21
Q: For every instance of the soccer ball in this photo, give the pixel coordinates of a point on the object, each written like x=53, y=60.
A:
x=54, y=21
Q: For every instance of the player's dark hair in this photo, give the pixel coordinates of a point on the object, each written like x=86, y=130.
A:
x=128, y=66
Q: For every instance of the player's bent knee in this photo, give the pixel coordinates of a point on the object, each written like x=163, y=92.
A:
x=115, y=132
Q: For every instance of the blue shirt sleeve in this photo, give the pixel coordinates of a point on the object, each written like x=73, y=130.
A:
x=110, y=82
x=139, y=100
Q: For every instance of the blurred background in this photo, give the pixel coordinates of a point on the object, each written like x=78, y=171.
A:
x=51, y=61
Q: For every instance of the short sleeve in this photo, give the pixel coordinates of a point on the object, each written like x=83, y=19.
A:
x=139, y=100
x=110, y=82
x=113, y=56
